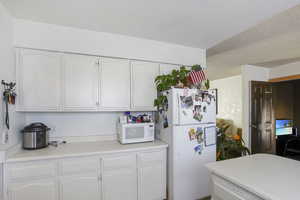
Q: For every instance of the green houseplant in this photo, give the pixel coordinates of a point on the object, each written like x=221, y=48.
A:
x=229, y=146
x=177, y=78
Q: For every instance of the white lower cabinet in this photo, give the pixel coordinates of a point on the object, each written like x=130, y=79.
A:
x=119, y=178
x=80, y=178
x=151, y=176
x=126, y=176
x=80, y=188
x=120, y=184
x=31, y=190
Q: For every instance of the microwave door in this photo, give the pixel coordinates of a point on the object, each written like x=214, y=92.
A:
x=134, y=133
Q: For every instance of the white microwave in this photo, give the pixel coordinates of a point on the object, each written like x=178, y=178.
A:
x=135, y=132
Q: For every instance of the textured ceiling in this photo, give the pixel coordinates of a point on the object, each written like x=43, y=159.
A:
x=196, y=23
x=271, y=43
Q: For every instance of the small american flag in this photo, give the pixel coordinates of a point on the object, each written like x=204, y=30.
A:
x=197, y=77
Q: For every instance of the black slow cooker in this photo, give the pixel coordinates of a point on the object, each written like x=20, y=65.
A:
x=35, y=136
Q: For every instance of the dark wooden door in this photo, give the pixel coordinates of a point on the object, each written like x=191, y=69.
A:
x=263, y=139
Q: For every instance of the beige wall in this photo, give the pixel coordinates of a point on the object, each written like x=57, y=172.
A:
x=250, y=73
x=285, y=70
x=229, y=98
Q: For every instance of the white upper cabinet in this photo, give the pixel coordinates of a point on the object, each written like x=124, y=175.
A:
x=38, y=80
x=56, y=82
x=80, y=82
x=115, y=84
x=167, y=68
x=143, y=87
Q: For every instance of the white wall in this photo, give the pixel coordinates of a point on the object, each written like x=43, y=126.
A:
x=7, y=73
x=230, y=98
x=59, y=38
x=285, y=70
x=250, y=73
x=77, y=124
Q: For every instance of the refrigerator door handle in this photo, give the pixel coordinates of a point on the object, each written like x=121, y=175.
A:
x=210, y=123
x=179, y=109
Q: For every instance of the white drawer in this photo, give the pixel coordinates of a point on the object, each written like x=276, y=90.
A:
x=223, y=193
x=44, y=169
x=225, y=190
x=118, y=162
x=79, y=166
x=156, y=156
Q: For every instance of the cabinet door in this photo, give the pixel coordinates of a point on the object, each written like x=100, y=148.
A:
x=80, y=82
x=167, y=68
x=143, y=87
x=120, y=178
x=115, y=84
x=152, y=176
x=81, y=188
x=46, y=190
x=39, y=80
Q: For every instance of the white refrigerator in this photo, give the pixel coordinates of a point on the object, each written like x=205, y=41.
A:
x=189, y=127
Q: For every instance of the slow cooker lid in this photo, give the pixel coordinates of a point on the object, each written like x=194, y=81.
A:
x=36, y=127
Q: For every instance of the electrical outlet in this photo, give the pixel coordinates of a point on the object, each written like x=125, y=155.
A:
x=5, y=137
x=53, y=129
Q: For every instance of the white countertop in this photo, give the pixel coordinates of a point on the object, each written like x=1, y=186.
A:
x=82, y=149
x=268, y=176
x=3, y=150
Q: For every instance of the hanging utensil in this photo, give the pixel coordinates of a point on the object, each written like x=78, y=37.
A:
x=9, y=97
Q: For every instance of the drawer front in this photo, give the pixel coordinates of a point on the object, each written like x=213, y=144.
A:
x=150, y=157
x=32, y=170
x=225, y=190
x=223, y=193
x=79, y=166
x=119, y=162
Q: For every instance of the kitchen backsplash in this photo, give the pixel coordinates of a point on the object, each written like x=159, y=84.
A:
x=77, y=124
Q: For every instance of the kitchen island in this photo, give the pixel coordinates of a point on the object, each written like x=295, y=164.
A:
x=256, y=177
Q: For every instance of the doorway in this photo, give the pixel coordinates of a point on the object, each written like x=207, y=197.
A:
x=273, y=102
x=262, y=117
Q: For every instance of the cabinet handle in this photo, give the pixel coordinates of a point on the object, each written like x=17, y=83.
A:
x=100, y=178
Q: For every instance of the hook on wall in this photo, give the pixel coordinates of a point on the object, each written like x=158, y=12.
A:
x=9, y=97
